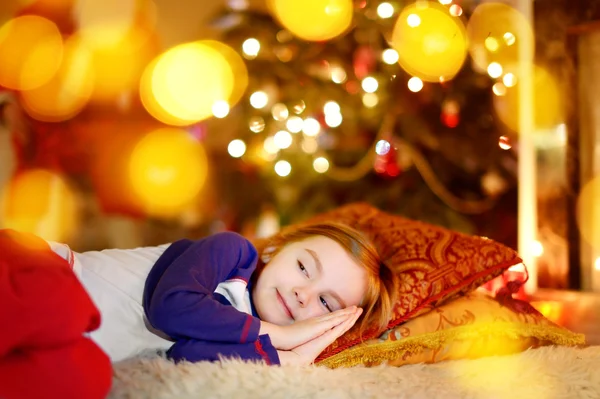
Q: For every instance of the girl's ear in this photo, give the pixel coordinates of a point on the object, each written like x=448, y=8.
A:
x=266, y=255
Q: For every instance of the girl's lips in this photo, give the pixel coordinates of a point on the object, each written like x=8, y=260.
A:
x=284, y=305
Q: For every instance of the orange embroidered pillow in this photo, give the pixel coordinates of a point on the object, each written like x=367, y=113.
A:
x=473, y=326
x=433, y=264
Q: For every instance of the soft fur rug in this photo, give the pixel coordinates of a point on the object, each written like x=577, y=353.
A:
x=544, y=373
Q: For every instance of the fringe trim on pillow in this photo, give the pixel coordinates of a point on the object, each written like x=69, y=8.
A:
x=390, y=350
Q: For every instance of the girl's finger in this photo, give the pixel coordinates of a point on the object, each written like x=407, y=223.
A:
x=338, y=313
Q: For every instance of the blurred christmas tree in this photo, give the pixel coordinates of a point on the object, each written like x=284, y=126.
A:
x=328, y=122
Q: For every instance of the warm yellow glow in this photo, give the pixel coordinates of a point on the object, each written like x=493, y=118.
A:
x=270, y=146
x=40, y=202
x=283, y=139
x=182, y=85
x=280, y=112
x=499, y=89
x=491, y=44
x=432, y=44
x=509, y=38
x=588, y=212
x=294, y=124
x=537, y=249
x=489, y=35
x=68, y=91
x=370, y=100
x=256, y=124
x=167, y=169
x=390, y=56
x=331, y=107
x=494, y=70
x=236, y=148
x=31, y=50
x=333, y=119
x=118, y=67
x=259, y=99
x=251, y=47
x=548, y=109
x=106, y=23
x=456, y=10
x=238, y=67
x=370, y=84
x=385, y=10
x=415, y=84
x=597, y=264
x=310, y=145
x=311, y=127
x=321, y=165
x=413, y=20
x=283, y=168
x=314, y=20
x=445, y=2
x=338, y=74
x=504, y=143
x=509, y=80
x=220, y=109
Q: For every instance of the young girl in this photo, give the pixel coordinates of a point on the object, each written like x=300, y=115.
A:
x=216, y=296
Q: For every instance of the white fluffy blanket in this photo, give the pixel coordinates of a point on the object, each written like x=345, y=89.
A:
x=544, y=373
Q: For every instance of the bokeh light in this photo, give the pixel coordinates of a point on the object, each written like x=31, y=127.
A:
x=498, y=24
x=181, y=86
x=294, y=124
x=106, y=23
x=256, y=124
x=333, y=119
x=118, y=67
x=259, y=99
x=168, y=168
x=311, y=127
x=251, y=47
x=314, y=20
x=431, y=43
x=548, y=108
x=504, y=143
x=499, y=89
x=588, y=212
x=220, y=109
x=415, y=84
x=385, y=10
x=40, y=202
x=283, y=139
x=236, y=148
x=370, y=100
x=382, y=147
x=390, y=56
x=68, y=91
x=280, y=112
x=31, y=49
x=370, y=84
x=494, y=70
x=283, y=168
x=321, y=165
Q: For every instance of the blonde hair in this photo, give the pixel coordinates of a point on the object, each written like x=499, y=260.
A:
x=379, y=298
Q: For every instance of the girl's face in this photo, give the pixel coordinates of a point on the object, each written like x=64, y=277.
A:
x=306, y=279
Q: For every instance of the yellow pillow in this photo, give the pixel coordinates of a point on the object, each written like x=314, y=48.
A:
x=472, y=326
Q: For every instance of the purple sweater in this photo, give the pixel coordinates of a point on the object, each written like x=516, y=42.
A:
x=180, y=300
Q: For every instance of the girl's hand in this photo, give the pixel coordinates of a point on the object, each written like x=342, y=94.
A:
x=300, y=332
x=306, y=353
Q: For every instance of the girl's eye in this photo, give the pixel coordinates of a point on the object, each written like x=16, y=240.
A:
x=302, y=268
x=324, y=302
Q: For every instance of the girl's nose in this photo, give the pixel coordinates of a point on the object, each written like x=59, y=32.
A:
x=301, y=296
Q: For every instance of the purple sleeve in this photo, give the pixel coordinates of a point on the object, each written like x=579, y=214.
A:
x=179, y=295
x=194, y=351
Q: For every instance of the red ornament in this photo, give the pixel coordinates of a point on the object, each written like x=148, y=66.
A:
x=450, y=120
x=386, y=165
